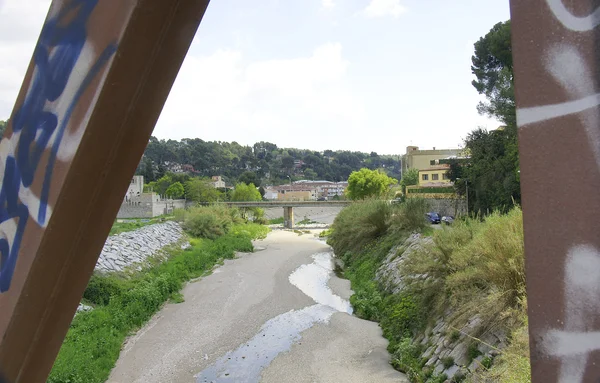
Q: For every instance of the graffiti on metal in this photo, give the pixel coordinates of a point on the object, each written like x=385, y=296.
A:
x=65, y=63
x=557, y=94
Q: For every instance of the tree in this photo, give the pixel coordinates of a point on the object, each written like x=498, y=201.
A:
x=368, y=183
x=3, y=125
x=250, y=178
x=175, y=191
x=162, y=184
x=493, y=68
x=201, y=190
x=409, y=178
x=310, y=174
x=262, y=191
x=491, y=172
x=244, y=192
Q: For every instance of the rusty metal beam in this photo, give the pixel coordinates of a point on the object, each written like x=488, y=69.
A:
x=556, y=55
x=98, y=79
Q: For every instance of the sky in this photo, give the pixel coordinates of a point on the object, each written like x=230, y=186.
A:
x=366, y=75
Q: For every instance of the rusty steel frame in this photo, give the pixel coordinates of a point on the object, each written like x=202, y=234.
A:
x=100, y=74
x=556, y=65
x=98, y=79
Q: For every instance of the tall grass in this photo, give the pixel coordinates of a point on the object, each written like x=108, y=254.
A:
x=512, y=365
x=94, y=340
x=475, y=267
x=359, y=224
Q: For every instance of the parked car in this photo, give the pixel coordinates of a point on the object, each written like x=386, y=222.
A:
x=433, y=217
x=448, y=219
x=322, y=199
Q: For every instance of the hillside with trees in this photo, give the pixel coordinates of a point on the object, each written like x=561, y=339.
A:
x=263, y=163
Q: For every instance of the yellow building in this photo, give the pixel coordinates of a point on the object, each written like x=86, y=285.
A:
x=296, y=195
x=434, y=176
x=422, y=159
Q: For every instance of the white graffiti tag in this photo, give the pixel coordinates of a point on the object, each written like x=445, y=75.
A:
x=573, y=344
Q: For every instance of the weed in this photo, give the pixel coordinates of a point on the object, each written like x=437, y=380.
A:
x=512, y=365
x=276, y=221
x=472, y=352
x=176, y=297
x=486, y=362
x=454, y=336
x=447, y=362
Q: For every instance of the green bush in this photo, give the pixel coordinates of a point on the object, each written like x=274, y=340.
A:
x=101, y=288
x=406, y=357
x=210, y=221
x=276, y=221
x=179, y=215
x=409, y=216
x=447, y=362
x=359, y=224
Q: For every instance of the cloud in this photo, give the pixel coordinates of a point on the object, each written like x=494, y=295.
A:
x=286, y=101
x=381, y=8
x=328, y=4
x=20, y=25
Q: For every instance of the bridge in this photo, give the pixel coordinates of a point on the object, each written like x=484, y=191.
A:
x=288, y=207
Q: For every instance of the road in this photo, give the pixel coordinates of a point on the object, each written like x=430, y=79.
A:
x=276, y=315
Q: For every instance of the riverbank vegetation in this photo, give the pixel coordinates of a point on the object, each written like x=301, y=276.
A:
x=124, y=302
x=475, y=268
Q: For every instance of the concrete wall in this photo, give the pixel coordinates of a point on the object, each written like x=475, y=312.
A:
x=448, y=206
x=149, y=205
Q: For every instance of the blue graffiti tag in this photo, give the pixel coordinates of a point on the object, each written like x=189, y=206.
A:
x=55, y=56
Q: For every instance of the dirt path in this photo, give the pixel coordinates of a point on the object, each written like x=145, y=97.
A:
x=247, y=322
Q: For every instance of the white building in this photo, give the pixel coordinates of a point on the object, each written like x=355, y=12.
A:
x=271, y=194
x=218, y=182
x=135, y=189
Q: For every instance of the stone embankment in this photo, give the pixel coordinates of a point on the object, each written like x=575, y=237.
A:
x=134, y=247
x=450, y=348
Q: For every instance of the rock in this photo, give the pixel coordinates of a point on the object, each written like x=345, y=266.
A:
x=83, y=307
x=459, y=354
x=438, y=369
x=476, y=364
x=431, y=361
x=126, y=249
x=450, y=372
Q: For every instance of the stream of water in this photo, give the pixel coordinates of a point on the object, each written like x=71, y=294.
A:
x=277, y=335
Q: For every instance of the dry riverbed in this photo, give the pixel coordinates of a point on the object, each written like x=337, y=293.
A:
x=277, y=315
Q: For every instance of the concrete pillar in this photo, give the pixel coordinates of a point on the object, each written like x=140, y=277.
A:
x=288, y=217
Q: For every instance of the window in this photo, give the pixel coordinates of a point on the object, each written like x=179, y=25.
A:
x=425, y=177
x=435, y=177
x=445, y=176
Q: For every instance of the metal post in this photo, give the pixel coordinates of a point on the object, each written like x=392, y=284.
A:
x=100, y=74
x=556, y=55
x=467, y=185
